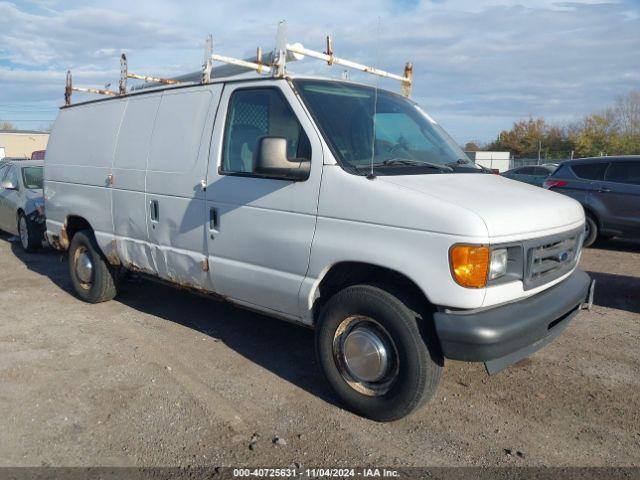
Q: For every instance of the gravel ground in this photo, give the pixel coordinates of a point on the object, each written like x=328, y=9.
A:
x=160, y=377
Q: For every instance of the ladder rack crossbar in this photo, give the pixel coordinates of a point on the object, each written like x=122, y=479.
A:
x=98, y=91
x=333, y=60
x=258, y=67
x=150, y=79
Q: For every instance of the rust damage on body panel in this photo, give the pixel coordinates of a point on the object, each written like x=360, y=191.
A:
x=112, y=256
x=61, y=242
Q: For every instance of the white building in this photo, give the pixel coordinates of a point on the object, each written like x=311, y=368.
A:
x=500, y=161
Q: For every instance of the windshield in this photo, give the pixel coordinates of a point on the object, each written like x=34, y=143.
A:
x=407, y=140
x=32, y=177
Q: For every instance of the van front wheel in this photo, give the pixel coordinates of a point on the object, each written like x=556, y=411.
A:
x=373, y=354
x=91, y=275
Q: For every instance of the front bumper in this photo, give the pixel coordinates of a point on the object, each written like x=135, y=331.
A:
x=503, y=335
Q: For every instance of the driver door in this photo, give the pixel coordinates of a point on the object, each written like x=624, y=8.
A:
x=260, y=229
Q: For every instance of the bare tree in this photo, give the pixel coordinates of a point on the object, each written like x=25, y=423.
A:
x=626, y=113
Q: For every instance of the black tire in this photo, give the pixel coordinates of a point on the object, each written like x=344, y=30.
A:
x=28, y=234
x=590, y=230
x=418, y=365
x=101, y=284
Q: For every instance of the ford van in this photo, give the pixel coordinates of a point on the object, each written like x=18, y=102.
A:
x=331, y=204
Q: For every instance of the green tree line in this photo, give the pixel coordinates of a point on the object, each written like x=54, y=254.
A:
x=613, y=131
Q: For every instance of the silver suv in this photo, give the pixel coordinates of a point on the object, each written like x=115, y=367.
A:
x=609, y=190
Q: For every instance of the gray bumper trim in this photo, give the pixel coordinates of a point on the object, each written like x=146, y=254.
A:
x=513, y=331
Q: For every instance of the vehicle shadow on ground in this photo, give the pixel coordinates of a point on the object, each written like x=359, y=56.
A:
x=616, y=291
x=618, y=244
x=46, y=261
x=284, y=349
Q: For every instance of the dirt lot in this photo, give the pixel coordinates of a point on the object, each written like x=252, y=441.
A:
x=162, y=377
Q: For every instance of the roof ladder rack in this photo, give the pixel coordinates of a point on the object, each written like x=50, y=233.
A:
x=122, y=85
x=125, y=74
x=406, y=79
x=69, y=88
x=273, y=63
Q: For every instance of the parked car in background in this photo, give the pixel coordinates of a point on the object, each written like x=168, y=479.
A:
x=532, y=174
x=609, y=190
x=12, y=159
x=22, y=201
x=38, y=155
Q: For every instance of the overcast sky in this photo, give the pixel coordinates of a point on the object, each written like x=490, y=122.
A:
x=478, y=66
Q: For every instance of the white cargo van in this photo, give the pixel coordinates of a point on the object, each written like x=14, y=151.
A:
x=328, y=203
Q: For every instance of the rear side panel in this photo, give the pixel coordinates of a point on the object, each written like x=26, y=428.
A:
x=176, y=170
x=79, y=160
x=130, y=171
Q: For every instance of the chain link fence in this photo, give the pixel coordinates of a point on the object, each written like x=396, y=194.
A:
x=523, y=162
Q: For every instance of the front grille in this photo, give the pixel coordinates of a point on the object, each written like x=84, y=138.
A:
x=551, y=257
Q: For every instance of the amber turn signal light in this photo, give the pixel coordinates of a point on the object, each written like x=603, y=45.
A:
x=469, y=265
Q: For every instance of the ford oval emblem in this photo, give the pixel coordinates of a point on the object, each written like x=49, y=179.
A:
x=563, y=257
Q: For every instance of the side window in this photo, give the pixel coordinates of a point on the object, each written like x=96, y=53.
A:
x=624, y=172
x=3, y=172
x=526, y=171
x=256, y=113
x=12, y=176
x=590, y=171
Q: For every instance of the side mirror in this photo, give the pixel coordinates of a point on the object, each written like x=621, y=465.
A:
x=271, y=160
x=8, y=185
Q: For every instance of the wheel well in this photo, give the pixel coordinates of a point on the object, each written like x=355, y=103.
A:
x=591, y=213
x=345, y=274
x=74, y=224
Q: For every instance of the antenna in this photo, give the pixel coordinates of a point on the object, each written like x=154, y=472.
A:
x=371, y=175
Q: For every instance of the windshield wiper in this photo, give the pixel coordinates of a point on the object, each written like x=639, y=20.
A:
x=460, y=161
x=467, y=164
x=406, y=161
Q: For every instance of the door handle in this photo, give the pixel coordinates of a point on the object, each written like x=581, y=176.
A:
x=154, y=210
x=213, y=218
x=604, y=190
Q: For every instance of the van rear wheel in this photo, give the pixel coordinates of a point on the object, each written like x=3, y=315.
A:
x=91, y=275
x=373, y=354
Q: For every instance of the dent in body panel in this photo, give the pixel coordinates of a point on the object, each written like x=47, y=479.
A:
x=177, y=165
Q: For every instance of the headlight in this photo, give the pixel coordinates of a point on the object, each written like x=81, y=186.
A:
x=469, y=265
x=498, y=264
x=472, y=266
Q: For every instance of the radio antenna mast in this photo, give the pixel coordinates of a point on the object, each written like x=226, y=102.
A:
x=371, y=175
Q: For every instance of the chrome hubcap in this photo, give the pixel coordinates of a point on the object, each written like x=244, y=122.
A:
x=365, y=355
x=84, y=266
x=24, y=232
